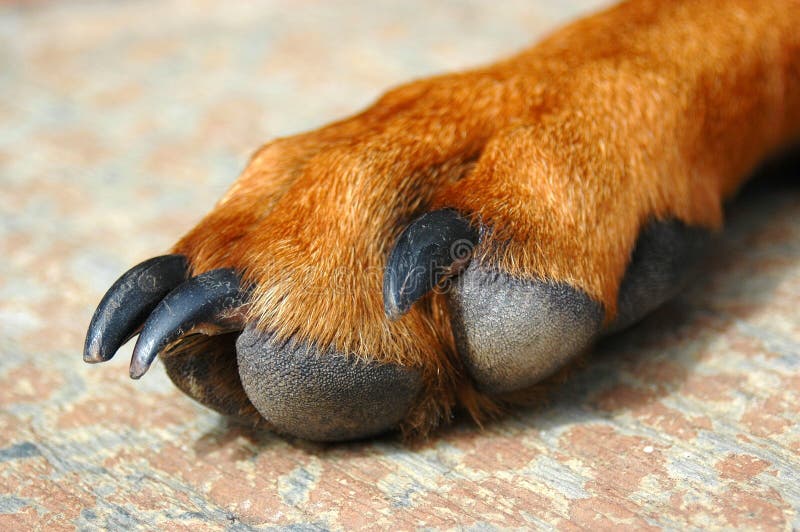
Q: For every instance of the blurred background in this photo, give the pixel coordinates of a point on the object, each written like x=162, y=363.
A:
x=122, y=122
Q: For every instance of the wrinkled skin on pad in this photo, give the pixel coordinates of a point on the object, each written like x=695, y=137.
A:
x=513, y=333
x=326, y=396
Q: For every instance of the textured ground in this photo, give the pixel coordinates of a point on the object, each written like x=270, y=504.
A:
x=122, y=122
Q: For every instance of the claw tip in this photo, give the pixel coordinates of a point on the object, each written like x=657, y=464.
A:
x=92, y=358
x=136, y=371
x=92, y=351
x=141, y=359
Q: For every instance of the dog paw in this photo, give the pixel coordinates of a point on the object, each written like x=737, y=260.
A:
x=461, y=239
x=319, y=302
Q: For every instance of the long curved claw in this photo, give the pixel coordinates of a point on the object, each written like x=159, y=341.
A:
x=128, y=302
x=203, y=304
x=432, y=247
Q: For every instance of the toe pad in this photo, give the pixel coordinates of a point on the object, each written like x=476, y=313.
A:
x=666, y=256
x=513, y=333
x=322, y=396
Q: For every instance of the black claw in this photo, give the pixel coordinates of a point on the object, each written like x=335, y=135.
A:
x=128, y=302
x=202, y=304
x=436, y=245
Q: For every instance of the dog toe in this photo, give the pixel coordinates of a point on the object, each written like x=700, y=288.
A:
x=205, y=369
x=323, y=395
x=512, y=333
x=666, y=255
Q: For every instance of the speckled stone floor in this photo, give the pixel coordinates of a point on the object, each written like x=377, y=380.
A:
x=120, y=125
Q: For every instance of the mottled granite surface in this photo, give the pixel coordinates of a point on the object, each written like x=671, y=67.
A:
x=120, y=125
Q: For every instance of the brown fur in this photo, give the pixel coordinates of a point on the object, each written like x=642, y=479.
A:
x=652, y=109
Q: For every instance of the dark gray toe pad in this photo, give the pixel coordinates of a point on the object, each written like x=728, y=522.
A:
x=322, y=396
x=204, y=368
x=666, y=256
x=512, y=333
